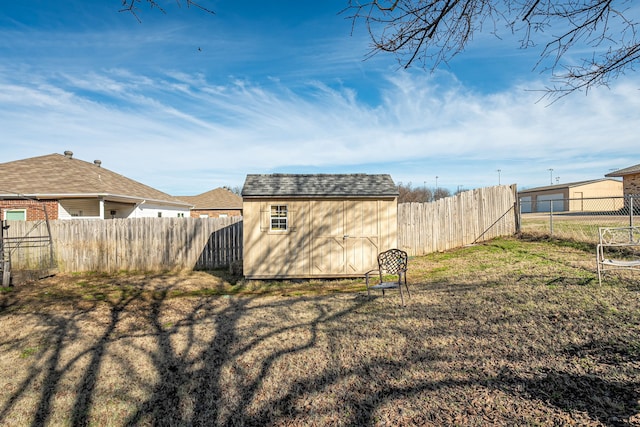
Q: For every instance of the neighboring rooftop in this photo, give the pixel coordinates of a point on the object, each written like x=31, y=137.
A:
x=59, y=176
x=626, y=171
x=319, y=185
x=219, y=198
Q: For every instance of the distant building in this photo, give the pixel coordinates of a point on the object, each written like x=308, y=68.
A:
x=630, y=179
x=217, y=203
x=582, y=196
x=69, y=188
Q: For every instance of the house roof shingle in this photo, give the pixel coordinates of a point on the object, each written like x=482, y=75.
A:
x=60, y=176
x=626, y=171
x=219, y=198
x=319, y=185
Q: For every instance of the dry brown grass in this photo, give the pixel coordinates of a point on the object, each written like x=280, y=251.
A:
x=511, y=332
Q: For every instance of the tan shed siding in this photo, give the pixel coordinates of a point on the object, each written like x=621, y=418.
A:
x=250, y=236
x=326, y=238
x=364, y=235
x=387, y=224
x=300, y=238
x=272, y=253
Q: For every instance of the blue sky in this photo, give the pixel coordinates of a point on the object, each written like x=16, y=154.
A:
x=187, y=101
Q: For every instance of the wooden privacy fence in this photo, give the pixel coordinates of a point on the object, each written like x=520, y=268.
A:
x=469, y=217
x=160, y=244
x=141, y=244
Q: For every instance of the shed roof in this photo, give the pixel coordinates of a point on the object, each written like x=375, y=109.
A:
x=566, y=185
x=59, y=176
x=218, y=198
x=631, y=170
x=319, y=185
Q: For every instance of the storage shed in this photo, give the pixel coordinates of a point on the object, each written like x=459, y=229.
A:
x=317, y=225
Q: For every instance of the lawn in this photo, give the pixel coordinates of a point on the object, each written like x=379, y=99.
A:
x=510, y=332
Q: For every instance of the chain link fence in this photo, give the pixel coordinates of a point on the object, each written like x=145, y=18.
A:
x=578, y=219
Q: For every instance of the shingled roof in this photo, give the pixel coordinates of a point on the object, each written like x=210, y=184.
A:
x=319, y=185
x=219, y=198
x=631, y=170
x=57, y=176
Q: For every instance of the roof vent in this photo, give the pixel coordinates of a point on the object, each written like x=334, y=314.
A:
x=97, y=162
x=68, y=154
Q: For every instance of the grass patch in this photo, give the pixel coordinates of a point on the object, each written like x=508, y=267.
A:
x=508, y=332
x=28, y=352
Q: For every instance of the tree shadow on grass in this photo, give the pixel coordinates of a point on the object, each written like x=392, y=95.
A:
x=185, y=390
x=49, y=368
x=199, y=385
x=609, y=402
x=226, y=376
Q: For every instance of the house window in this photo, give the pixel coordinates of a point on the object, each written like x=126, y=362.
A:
x=159, y=214
x=15, y=214
x=180, y=215
x=279, y=218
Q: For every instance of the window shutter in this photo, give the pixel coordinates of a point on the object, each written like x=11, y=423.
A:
x=292, y=221
x=265, y=217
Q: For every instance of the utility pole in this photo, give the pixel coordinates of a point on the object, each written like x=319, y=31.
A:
x=551, y=175
x=499, y=170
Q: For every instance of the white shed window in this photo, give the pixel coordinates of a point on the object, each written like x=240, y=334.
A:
x=279, y=218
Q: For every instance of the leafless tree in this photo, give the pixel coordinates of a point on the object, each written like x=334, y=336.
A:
x=132, y=6
x=441, y=193
x=409, y=194
x=432, y=32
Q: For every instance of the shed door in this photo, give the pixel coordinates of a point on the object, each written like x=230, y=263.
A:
x=344, y=237
x=363, y=236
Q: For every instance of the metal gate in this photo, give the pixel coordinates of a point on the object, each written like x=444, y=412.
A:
x=26, y=250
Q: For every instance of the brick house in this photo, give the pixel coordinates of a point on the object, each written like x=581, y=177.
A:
x=71, y=188
x=630, y=179
x=217, y=203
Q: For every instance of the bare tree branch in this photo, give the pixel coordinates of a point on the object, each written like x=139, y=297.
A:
x=431, y=32
x=132, y=7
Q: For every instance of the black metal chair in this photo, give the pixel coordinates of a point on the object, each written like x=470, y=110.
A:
x=393, y=262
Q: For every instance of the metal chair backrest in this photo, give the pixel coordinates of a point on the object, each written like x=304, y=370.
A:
x=393, y=261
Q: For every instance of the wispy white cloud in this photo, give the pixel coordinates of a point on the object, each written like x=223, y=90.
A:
x=184, y=135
